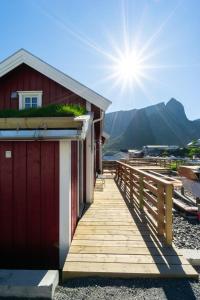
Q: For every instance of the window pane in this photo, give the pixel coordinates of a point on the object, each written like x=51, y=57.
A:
x=34, y=104
x=27, y=100
x=27, y=105
x=34, y=100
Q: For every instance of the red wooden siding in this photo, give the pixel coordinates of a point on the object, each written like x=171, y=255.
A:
x=25, y=78
x=74, y=184
x=29, y=205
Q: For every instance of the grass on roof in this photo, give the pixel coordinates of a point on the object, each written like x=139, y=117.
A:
x=52, y=110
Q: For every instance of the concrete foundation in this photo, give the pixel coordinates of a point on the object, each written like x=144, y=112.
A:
x=29, y=284
x=192, y=255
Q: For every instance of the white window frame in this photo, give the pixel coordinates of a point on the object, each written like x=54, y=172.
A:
x=23, y=94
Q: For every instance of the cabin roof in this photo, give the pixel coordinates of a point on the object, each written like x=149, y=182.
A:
x=23, y=56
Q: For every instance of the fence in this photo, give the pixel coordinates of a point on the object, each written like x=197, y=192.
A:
x=149, y=194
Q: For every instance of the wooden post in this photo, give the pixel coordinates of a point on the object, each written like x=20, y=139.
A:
x=126, y=172
x=131, y=187
x=168, y=213
x=117, y=171
x=160, y=209
x=141, y=189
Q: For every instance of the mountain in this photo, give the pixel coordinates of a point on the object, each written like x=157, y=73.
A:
x=157, y=124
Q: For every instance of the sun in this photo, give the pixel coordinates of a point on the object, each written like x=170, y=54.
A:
x=129, y=67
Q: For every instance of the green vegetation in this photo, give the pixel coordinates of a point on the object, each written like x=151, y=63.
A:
x=52, y=110
x=174, y=166
x=165, y=153
x=194, y=151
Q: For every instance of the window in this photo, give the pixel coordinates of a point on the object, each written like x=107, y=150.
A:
x=29, y=99
x=30, y=102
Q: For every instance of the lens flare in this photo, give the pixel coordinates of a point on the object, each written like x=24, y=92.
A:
x=128, y=67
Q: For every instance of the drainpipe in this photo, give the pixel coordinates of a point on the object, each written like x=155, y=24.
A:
x=100, y=145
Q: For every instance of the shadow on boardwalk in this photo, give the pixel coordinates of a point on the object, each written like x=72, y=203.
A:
x=168, y=288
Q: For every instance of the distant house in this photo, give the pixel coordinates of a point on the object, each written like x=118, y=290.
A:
x=154, y=150
x=195, y=143
x=115, y=156
x=48, y=165
x=133, y=153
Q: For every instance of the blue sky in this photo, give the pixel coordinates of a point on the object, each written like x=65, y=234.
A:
x=81, y=38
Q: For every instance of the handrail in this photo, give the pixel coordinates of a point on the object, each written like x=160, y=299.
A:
x=109, y=166
x=162, y=162
x=141, y=172
x=148, y=194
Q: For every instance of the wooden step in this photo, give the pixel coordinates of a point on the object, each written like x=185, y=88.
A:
x=124, y=258
x=127, y=270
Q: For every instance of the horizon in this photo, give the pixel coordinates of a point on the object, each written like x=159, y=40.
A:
x=100, y=43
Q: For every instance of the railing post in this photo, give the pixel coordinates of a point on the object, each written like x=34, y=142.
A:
x=141, y=189
x=116, y=170
x=160, y=209
x=131, y=187
x=168, y=213
x=119, y=173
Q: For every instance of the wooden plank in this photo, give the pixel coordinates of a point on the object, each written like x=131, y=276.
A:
x=6, y=202
x=120, y=218
x=150, y=198
x=108, y=231
x=122, y=250
x=20, y=233
x=168, y=217
x=113, y=237
x=150, y=187
x=33, y=202
x=131, y=227
x=84, y=222
x=125, y=243
x=49, y=208
x=38, y=122
x=132, y=270
x=115, y=212
x=138, y=258
x=160, y=207
x=152, y=211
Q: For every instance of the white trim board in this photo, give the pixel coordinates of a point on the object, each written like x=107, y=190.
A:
x=23, y=56
x=23, y=94
x=65, y=200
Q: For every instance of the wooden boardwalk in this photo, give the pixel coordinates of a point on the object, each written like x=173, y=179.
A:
x=113, y=242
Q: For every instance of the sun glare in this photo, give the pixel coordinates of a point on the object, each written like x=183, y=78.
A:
x=128, y=67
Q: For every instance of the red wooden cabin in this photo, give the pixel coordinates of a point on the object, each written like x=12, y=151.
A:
x=46, y=175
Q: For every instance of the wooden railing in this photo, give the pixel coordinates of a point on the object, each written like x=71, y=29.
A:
x=109, y=166
x=150, y=195
x=162, y=162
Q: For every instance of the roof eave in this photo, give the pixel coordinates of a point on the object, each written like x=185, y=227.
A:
x=23, y=56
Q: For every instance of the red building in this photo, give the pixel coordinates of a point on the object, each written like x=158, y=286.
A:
x=46, y=174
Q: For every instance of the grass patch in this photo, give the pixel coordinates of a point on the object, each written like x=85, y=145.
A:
x=52, y=110
x=173, y=166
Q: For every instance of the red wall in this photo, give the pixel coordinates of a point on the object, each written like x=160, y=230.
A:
x=29, y=181
x=29, y=204
x=25, y=78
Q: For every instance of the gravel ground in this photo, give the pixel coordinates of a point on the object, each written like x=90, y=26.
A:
x=127, y=289
x=186, y=232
